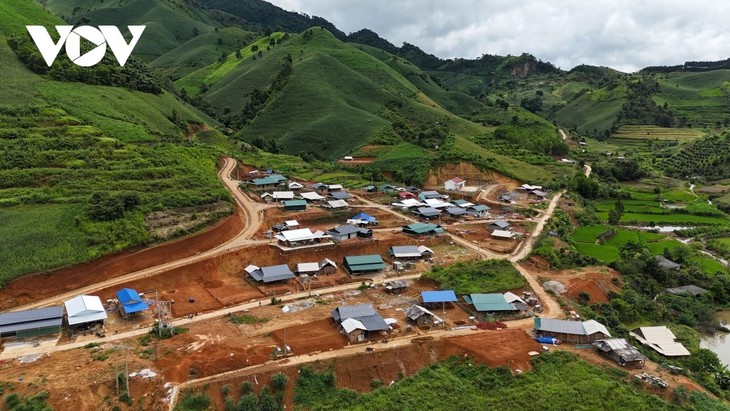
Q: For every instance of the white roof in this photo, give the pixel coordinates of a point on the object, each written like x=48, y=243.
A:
x=251, y=268
x=311, y=196
x=283, y=195
x=351, y=324
x=337, y=203
x=335, y=187
x=326, y=262
x=424, y=249
x=661, y=339
x=510, y=298
x=464, y=205
x=307, y=267
x=294, y=184
x=593, y=326
x=84, y=309
x=502, y=233
x=302, y=234
x=291, y=223
x=529, y=187
x=408, y=202
x=436, y=203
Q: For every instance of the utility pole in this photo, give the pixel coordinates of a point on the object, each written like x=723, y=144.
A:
x=126, y=368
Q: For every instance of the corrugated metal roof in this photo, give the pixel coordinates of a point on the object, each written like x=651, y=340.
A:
x=128, y=295
x=307, y=267
x=687, y=289
x=312, y=196
x=84, y=309
x=283, y=195
x=354, y=260
x=491, y=302
x=351, y=324
x=428, y=211
x=345, y=229
x=294, y=203
x=374, y=323
x=405, y=251
x=29, y=316
x=276, y=273
x=416, y=311
x=500, y=224
x=337, y=204
x=302, y=234
x=502, y=234
x=353, y=311
x=327, y=262
x=340, y=195
x=593, y=326
x=446, y=296
x=589, y=327
x=661, y=339
x=423, y=249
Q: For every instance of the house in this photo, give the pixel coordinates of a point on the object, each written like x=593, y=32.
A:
x=327, y=266
x=408, y=203
x=528, y=187
x=422, y=317
x=498, y=225
x=413, y=189
x=619, y=350
x=405, y=195
x=438, y=297
x=291, y=224
x=365, y=218
x=506, y=198
x=130, y=302
x=576, y=332
x=358, y=322
x=431, y=195
x=503, y=234
x=335, y=204
x=478, y=210
x=360, y=264
x=311, y=196
x=456, y=212
x=334, y=187
x=692, y=290
x=427, y=212
x=293, y=185
x=370, y=189
x=436, y=203
x=320, y=187
x=271, y=273
x=307, y=268
x=347, y=158
x=455, y=184
x=396, y=287
x=494, y=302
x=271, y=180
x=300, y=237
x=406, y=252
x=31, y=323
x=346, y=232
x=339, y=195
x=661, y=339
x=386, y=187
x=422, y=229
x=666, y=263
x=462, y=203
x=538, y=195
x=282, y=195
x=425, y=251
x=84, y=309
x=295, y=205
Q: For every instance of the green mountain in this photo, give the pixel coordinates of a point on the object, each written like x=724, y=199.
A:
x=82, y=166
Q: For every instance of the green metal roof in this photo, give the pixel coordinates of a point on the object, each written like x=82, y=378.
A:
x=421, y=228
x=364, y=259
x=490, y=302
x=294, y=203
x=366, y=267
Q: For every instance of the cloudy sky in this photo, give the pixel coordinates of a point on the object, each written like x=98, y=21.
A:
x=625, y=35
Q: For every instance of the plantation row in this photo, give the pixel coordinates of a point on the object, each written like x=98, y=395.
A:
x=707, y=157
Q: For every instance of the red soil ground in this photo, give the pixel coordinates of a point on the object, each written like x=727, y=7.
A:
x=39, y=286
x=597, y=281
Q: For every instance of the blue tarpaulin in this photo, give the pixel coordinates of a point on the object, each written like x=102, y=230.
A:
x=364, y=217
x=131, y=301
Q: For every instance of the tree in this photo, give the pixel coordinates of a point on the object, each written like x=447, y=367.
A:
x=279, y=381
x=238, y=54
x=614, y=216
x=196, y=32
x=220, y=41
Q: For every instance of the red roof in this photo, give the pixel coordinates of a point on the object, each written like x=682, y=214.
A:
x=456, y=180
x=406, y=194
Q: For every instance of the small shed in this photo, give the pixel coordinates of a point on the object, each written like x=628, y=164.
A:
x=438, y=298
x=339, y=195
x=422, y=229
x=421, y=316
x=272, y=273
x=130, y=302
x=619, y=350
x=293, y=185
x=327, y=266
x=307, y=268
x=295, y=205
x=396, y=287
x=455, y=184
x=335, y=204
x=370, y=189
x=692, y=290
x=386, y=187
x=503, y=234
x=661, y=339
x=498, y=225
x=404, y=195
x=489, y=302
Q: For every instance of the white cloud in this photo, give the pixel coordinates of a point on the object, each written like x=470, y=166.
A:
x=626, y=35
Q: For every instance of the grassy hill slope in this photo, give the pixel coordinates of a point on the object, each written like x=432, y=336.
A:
x=81, y=165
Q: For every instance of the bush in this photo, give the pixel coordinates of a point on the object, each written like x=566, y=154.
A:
x=279, y=381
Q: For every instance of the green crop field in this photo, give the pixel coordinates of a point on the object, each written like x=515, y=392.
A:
x=585, y=241
x=645, y=132
x=590, y=115
x=659, y=219
x=699, y=97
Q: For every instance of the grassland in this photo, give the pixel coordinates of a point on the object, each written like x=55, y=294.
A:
x=484, y=276
x=558, y=381
x=702, y=98
x=585, y=239
x=591, y=114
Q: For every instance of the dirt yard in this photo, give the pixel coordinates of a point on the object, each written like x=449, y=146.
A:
x=597, y=281
x=480, y=235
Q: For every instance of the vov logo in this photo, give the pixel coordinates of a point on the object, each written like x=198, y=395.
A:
x=71, y=37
